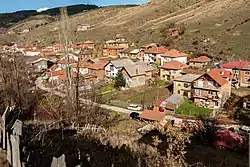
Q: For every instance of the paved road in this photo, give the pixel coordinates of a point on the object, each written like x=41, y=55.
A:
x=39, y=84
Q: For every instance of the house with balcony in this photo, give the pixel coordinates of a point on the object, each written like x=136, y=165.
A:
x=172, y=55
x=241, y=70
x=153, y=54
x=212, y=89
x=172, y=70
x=114, y=66
x=183, y=85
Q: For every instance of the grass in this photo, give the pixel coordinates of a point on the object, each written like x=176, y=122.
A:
x=148, y=96
x=189, y=108
x=162, y=83
x=107, y=88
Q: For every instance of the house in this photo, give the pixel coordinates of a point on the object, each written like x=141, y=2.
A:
x=137, y=74
x=83, y=27
x=129, y=52
x=212, y=89
x=97, y=69
x=172, y=55
x=172, y=70
x=153, y=54
x=114, y=66
x=171, y=103
x=112, y=51
x=145, y=47
x=183, y=85
x=199, y=62
x=41, y=64
x=58, y=76
x=241, y=70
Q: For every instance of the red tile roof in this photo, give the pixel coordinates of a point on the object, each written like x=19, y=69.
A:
x=65, y=61
x=152, y=115
x=60, y=73
x=173, y=53
x=175, y=65
x=191, y=71
x=201, y=59
x=217, y=75
x=237, y=65
x=156, y=50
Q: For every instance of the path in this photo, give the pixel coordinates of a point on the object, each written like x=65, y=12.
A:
x=39, y=84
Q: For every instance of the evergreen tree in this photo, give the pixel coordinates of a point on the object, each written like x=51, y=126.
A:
x=120, y=81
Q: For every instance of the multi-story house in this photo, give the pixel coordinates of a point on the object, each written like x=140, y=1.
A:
x=172, y=70
x=183, y=85
x=153, y=54
x=199, y=62
x=241, y=70
x=138, y=74
x=173, y=55
x=113, y=67
x=212, y=89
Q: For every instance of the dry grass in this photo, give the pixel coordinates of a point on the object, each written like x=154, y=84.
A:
x=225, y=22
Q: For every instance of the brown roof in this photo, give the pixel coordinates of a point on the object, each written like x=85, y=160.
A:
x=156, y=50
x=174, y=53
x=217, y=76
x=175, y=65
x=152, y=115
x=191, y=71
x=201, y=59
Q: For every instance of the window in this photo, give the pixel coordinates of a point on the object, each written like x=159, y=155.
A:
x=186, y=85
x=247, y=72
x=199, y=92
x=179, y=84
x=200, y=83
x=216, y=103
x=247, y=79
x=210, y=83
x=179, y=92
x=210, y=92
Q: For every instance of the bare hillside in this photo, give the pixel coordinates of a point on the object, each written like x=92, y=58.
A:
x=223, y=25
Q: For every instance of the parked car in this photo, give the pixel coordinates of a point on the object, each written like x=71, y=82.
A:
x=135, y=115
x=134, y=107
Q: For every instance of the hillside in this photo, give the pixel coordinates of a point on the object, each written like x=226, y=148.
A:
x=217, y=27
x=9, y=19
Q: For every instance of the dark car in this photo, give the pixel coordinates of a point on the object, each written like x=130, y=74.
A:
x=135, y=115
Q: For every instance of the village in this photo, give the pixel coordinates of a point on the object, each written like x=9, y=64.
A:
x=152, y=83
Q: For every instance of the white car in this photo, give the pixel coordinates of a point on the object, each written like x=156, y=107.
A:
x=134, y=107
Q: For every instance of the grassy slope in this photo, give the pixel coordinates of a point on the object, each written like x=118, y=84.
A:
x=225, y=22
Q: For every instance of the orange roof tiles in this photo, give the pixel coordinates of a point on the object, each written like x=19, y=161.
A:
x=156, y=50
x=174, y=65
x=217, y=75
x=201, y=59
x=65, y=61
x=173, y=53
x=152, y=115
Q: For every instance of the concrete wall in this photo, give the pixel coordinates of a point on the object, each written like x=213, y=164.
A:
x=164, y=60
